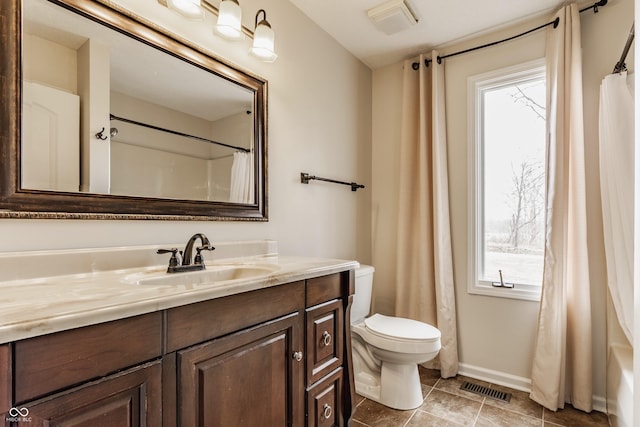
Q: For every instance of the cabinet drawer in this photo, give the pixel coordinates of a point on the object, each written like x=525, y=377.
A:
x=195, y=323
x=51, y=362
x=324, y=401
x=324, y=344
x=325, y=288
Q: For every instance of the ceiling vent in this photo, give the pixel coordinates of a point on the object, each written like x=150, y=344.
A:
x=394, y=16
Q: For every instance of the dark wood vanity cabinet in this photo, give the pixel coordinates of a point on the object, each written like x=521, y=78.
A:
x=278, y=356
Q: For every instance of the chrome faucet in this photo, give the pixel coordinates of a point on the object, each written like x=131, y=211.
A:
x=175, y=266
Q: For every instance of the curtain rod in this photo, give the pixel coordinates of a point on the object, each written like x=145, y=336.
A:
x=621, y=65
x=186, y=135
x=555, y=23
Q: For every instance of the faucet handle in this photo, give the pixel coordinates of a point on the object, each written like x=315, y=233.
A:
x=198, y=259
x=174, y=261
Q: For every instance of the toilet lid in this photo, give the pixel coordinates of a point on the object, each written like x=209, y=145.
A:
x=401, y=328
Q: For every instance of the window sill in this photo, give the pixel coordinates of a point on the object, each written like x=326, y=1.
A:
x=522, y=292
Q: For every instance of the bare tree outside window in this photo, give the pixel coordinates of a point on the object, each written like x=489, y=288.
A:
x=527, y=204
x=527, y=195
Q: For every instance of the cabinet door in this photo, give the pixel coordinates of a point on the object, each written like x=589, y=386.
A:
x=324, y=402
x=250, y=378
x=325, y=340
x=130, y=398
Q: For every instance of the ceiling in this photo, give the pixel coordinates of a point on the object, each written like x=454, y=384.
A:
x=440, y=22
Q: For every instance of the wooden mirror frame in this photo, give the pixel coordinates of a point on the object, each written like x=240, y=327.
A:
x=16, y=202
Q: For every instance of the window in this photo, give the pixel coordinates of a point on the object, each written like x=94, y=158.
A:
x=507, y=181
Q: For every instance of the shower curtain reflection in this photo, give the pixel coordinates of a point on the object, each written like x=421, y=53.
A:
x=242, y=178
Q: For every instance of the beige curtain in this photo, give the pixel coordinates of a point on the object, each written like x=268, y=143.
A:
x=424, y=278
x=562, y=358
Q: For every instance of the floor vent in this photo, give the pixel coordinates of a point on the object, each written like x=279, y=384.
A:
x=486, y=391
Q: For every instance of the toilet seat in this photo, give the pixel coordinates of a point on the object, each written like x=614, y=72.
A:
x=399, y=328
x=398, y=335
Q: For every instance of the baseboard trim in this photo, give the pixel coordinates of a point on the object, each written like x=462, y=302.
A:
x=513, y=381
x=495, y=377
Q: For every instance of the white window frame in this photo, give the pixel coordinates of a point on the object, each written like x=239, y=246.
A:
x=475, y=86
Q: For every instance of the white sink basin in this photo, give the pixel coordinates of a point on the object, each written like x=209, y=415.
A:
x=213, y=275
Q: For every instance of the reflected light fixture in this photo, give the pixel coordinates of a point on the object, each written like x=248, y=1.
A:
x=190, y=9
x=229, y=24
x=263, y=39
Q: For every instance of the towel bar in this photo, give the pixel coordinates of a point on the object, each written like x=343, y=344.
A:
x=305, y=178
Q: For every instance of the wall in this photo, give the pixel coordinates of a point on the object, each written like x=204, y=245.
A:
x=144, y=161
x=319, y=122
x=50, y=63
x=496, y=335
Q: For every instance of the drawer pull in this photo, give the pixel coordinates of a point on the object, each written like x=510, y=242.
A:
x=297, y=356
x=327, y=411
x=326, y=338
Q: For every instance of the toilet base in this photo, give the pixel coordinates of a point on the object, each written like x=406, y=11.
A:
x=402, y=389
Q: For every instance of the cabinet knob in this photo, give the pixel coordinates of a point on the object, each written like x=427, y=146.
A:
x=327, y=411
x=297, y=356
x=326, y=338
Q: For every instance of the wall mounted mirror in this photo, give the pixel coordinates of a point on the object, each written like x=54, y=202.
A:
x=105, y=115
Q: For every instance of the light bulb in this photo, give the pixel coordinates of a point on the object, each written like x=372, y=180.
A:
x=263, y=40
x=229, y=24
x=188, y=8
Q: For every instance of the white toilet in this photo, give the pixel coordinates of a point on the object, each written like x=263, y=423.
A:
x=387, y=350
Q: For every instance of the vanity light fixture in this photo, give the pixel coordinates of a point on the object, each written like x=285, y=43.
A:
x=190, y=9
x=263, y=39
x=229, y=24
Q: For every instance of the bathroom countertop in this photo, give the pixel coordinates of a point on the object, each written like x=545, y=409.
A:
x=43, y=305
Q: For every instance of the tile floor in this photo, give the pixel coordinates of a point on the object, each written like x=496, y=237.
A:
x=445, y=405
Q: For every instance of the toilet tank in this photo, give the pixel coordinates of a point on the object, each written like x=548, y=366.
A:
x=362, y=297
